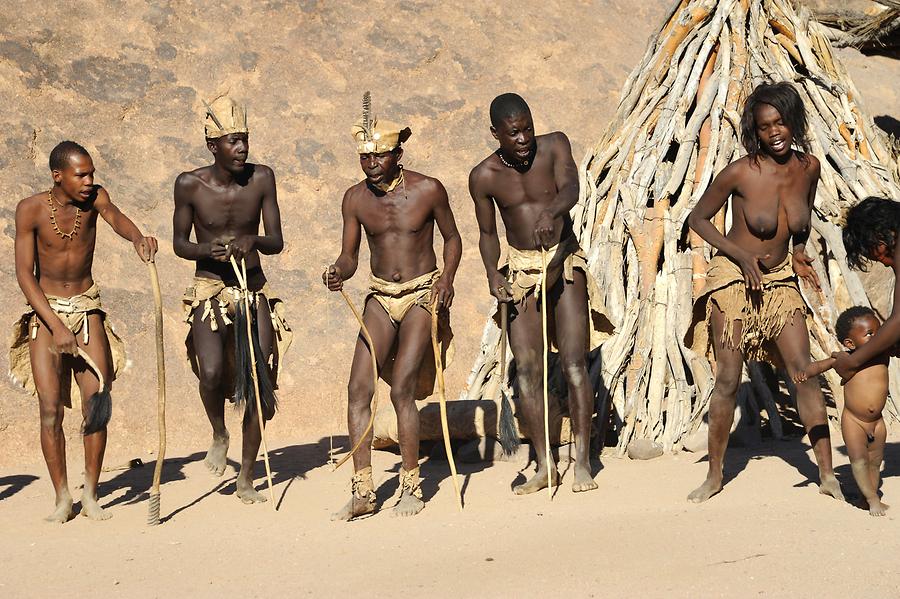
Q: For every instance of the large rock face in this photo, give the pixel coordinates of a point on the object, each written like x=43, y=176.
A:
x=126, y=79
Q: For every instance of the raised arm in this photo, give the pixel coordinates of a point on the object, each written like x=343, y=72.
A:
x=345, y=266
x=144, y=246
x=565, y=175
x=443, y=216
x=700, y=220
x=800, y=260
x=26, y=239
x=488, y=241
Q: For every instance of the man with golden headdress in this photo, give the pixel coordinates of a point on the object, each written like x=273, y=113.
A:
x=398, y=209
x=223, y=203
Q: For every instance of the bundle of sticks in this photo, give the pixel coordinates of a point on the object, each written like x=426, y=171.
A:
x=871, y=26
x=677, y=125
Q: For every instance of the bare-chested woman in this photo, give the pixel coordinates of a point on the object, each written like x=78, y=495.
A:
x=751, y=296
x=397, y=209
x=55, y=235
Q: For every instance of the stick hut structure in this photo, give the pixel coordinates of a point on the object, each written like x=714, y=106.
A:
x=677, y=125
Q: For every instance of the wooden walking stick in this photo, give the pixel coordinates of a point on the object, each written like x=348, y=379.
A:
x=368, y=338
x=153, y=517
x=245, y=297
x=546, y=349
x=442, y=399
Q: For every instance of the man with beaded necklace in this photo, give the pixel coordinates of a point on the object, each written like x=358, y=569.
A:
x=54, y=252
x=533, y=181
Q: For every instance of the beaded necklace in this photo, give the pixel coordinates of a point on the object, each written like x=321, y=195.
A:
x=71, y=234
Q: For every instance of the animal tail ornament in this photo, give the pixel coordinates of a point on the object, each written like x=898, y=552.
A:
x=243, y=381
x=367, y=115
x=508, y=435
x=99, y=409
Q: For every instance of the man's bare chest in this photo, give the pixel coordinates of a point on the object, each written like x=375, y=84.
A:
x=402, y=214
x=228, y=209
x=511, y=189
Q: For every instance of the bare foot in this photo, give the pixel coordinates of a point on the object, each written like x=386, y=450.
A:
x=830, y=486
x=217, y=455
x=91, y=509
x=63, y=511
x=711, y=486
x=409, y=505
x=537, y=482
x=247, y=494
x=357, y=506
x=876, y=508
x=583, y=480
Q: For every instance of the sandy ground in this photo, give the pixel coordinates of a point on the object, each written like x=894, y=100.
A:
x=769, y=532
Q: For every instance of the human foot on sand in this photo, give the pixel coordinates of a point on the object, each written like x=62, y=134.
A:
x=538, y=482
x=247, y=494
x=409, y=505
x=583, y=479
x=830, y=486
x=217, y=455
x=711, y=486
x=63, y=512
x=91, y=509
x=357, y=506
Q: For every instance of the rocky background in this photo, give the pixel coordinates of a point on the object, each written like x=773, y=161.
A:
x=126, y=79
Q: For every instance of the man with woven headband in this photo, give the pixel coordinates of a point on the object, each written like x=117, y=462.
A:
x=223, y=203
x=533, y=181
x=55, y=235
x=397, y=209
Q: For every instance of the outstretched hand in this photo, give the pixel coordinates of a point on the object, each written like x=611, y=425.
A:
x=146, y=248
x=332, y=278
x=803, y=268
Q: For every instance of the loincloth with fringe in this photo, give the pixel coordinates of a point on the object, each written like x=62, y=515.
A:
x=397, y=299
x=73, y=312
x=763, y=317
x=523, y=272
x=219, y=299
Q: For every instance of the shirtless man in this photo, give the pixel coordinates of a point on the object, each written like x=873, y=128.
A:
x=397, y=209
x=223, y=203
x=751, y=295
x=55, y=235
x=534, y=182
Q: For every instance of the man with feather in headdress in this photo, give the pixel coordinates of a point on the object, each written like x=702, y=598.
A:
x=398, y=209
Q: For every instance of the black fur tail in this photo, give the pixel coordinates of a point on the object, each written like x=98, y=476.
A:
x=509, y=438
x=243, y=381
x=99, y=412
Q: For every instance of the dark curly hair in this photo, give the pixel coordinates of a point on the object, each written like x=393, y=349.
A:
x=784, y=98
x=848, y=318
x=872, y=221
x=64, y=150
